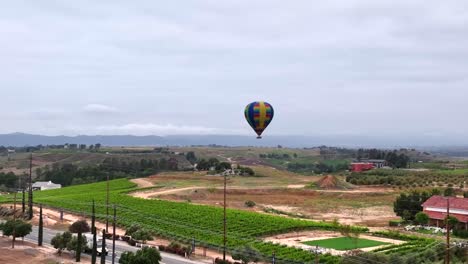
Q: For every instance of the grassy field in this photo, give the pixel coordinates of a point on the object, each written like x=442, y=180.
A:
x=345, y=243
x=184, y=221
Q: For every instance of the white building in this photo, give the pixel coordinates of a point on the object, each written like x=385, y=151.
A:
x=41, y=186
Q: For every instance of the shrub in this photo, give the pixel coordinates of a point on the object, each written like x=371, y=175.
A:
x=60, y=241
x=460, y=233
x=145, y=255
x=176, y=248
x=422, y=218
x=394, y=223
x=221, y=261
x=250, y=203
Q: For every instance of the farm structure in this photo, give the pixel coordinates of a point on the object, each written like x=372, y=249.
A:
x=41, y=186
x=436, y=208
x=361, y=166
x=367, y=164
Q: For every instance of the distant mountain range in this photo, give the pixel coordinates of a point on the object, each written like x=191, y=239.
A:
x=22, y=139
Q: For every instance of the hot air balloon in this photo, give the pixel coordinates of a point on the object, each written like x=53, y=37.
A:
x=259, y=116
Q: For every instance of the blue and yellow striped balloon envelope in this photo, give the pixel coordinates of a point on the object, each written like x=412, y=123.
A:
x=259, y=116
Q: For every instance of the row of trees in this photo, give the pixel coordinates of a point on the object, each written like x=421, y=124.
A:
x=394, y=159
x=205, y=165
x=318, y=168
x=73, y=146
x=219, y=167
x=70, y=174
x=285, y=156
x=78, y=244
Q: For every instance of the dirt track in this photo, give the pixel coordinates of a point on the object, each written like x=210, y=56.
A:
x=142, y=182
x=145, y=183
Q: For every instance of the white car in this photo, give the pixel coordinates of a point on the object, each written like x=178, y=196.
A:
x=89, y=243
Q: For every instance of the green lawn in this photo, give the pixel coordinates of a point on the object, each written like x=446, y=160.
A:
x=344, y=243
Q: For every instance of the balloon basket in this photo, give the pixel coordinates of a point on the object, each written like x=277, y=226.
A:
x=259, y=137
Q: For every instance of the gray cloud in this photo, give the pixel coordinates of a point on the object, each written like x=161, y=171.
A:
x=334, y=67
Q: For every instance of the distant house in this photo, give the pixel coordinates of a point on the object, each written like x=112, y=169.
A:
x=41, y=186
x=361, y=166
x=367, y=164
x=378, y=163
x=436, y=208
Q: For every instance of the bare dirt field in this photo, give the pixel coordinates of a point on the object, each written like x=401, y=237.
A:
x=25, y=252
x=370, y=206
x=283, y=191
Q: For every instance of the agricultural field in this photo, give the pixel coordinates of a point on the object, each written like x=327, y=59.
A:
x=345, y=243
x=184, y=221
x=278, y=192
x=411, y=178
x=19, y=162
x=185, y=205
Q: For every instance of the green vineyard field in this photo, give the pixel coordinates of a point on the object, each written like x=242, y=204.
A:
x=185, y=221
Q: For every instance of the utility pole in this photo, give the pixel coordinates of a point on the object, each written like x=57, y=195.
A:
x=93, y=230
x=316, y=255
x=30, y=188
x=224, y=221
x=103, y=247
x=447, y=227
x=14, y=220
x=113, y=234
x=107, y=205
x=23, y=192
x=41, y=228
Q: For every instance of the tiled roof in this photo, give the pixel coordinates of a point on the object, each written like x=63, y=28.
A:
x=441, y=216
x=441, y=202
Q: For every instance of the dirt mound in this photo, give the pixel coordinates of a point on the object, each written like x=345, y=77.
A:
x=332, y=182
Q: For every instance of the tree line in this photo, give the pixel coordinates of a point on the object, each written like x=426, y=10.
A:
x=72, y=146
x=393, y=158
x=280, y=156
x=318, y=168
x=220, y=166
x=71, y=174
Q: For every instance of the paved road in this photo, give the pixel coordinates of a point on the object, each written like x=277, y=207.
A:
x=120, y=247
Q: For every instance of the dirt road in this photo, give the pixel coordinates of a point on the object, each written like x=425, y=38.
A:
x=145, y=183
x=142, y=182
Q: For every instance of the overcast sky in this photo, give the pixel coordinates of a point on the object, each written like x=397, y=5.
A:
x=190, y=67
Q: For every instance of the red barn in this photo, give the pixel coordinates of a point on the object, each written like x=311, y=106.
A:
x=361, y=166
x=436, y=208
